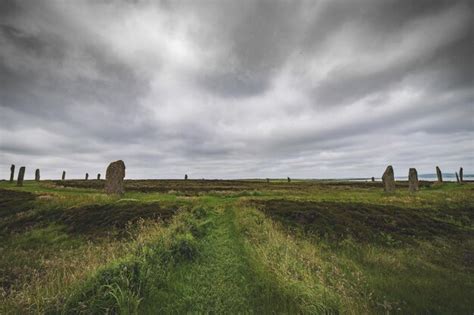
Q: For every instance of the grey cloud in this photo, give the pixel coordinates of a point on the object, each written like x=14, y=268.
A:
x=234, y=84
x=259, y=36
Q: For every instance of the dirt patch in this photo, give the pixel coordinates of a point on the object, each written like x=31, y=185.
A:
x=364, y=222
x=91, y=220
x=196, y=187
x=190, y=187
x=99, y=218
x=13, y=202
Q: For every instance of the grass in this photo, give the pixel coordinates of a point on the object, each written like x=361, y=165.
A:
x=363, y=277
x=221, y=279
x=210, y=246
x=381, y=224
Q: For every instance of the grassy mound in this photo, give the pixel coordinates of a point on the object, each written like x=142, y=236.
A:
x=13, y=202
x=19, y=213
x=121, y=286
x=369, y=222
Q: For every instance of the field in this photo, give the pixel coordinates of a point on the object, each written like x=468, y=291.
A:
x=210, y=246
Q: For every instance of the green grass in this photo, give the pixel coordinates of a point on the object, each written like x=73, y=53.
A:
x=236, y=247
x=220, y=280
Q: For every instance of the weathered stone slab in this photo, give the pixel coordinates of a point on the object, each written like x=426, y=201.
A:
x=461, y=175
x=64, y=175
x=185, y=176
x=12, y=173
x=373, y=179
x=457, y=178
x=98, y=176
x=87, y=176
x=413, y=184
x=21, y=176
x=439, y=175
x=289, y=180
x=388, y=179
x=114, y=177
x=37, y=175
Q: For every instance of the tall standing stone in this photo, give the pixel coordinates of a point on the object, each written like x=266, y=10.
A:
x=114, y=177
x=388, y=179
x=461, y=175
x=289, y=180
x=87, y=176
x=64, y=175
x=413, y=184
x=268, y=180
x=457, y=178
x=373, y=179
x=12, y=173
x=37, y=175
x=21, y=176
x=185, y=176
x=98, y=176
x=439, y=175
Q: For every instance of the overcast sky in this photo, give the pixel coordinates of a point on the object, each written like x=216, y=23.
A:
x=236, y=89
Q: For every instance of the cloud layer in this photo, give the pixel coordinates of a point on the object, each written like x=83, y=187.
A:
x=236, y=89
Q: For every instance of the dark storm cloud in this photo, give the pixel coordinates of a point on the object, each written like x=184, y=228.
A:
x=49, y=64
x=260, y=36
x=236, y=89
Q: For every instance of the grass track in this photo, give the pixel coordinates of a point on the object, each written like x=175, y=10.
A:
x=221, y=280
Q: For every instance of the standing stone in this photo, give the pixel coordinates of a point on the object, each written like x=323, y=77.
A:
x=457, y=178
x=373, y=179
x=388, y=179
x=185, y=176
x=37, y=175
x=268, y=180
x=289, y=180
x=87, y=176
x=21, y=176
x=12, y=173
x=461, y=175
x=64, y=175
x=413, y=184
x=98, y=176
x=114, y=177
x=439, y=175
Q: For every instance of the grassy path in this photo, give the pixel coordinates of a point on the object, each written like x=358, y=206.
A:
x=221, y=280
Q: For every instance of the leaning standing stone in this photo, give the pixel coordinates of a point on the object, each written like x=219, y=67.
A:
x=439, y=175
x=388, y=179
x=457, y=178
x=37, y=175
x=413, y=184
x=21, y=176
x=12, y=173
x=114, y=177
x=64, y=175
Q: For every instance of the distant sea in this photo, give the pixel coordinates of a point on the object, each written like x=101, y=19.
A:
x=432, y=177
